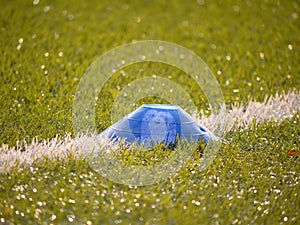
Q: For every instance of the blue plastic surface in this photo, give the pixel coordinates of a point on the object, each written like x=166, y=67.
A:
x=157, y=123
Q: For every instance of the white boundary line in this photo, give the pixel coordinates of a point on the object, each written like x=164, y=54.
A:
x=276, y=107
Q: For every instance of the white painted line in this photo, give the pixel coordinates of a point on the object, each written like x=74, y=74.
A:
x=276, y=107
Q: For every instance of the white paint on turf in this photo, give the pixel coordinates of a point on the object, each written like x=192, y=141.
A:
x=276, y=107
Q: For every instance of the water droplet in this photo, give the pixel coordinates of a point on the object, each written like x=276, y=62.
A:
x=290, y=47
x=128, y=210
x=138, y=19
x=47, y=8
x=36, y=2
x=201, y=2
x=70, y=17
x=294, y=15
x=261, y=55
x=236, y=8
x=53, y=217
x=56, y=35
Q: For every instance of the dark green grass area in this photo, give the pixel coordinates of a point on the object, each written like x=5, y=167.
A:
x=251, y=181
x=251, y=46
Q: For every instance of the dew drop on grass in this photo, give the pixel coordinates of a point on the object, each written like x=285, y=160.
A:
x=53, y=217
x=236, y=8
x=56, y=35
x=261, y=55
x=128, y=211
x=47, y=8
x=70, y=17
x=294, y=15
x=70, y=219
x=201, y=2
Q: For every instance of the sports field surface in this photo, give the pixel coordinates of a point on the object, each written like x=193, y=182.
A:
x=252, y=48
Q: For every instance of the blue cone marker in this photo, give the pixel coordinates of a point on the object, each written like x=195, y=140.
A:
x=152, y=124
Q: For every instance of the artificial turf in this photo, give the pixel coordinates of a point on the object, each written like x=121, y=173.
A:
x=252, y=47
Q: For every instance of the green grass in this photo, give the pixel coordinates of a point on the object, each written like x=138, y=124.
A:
x=251, y=46
x=37, y=91
x=251, y=181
